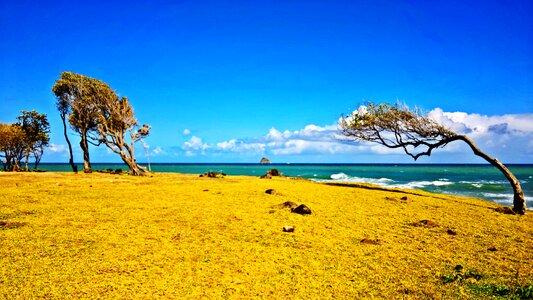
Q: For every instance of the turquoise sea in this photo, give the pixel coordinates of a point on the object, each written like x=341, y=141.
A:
x=473, y=180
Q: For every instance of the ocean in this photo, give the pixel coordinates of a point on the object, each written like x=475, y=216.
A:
x=472, y=180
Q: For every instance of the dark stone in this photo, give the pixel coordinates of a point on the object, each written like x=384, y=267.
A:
x=302, y=210
x=451, y=232
x=505, y=210
x=264, y=161
x=404, y=198
x=271, y=191
x=266, y=176
x=288, y=204
x=425, y=223
x=211, y=174
x=274, y=172
x=370, y=241
x=458, y=268
x=288, y=228
x=492, y=249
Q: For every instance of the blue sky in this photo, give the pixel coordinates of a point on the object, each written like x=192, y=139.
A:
x=232, y=81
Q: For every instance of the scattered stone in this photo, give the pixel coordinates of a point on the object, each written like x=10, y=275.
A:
x=371, y=241
x=274, y=172
x=288, y=228
x=271, y=191
x=264, y=161
x=492, y=249
x=270, y=173
x=211, y=174
x=451, y=232
x=288, y=204
x=404, y=198
x=505, y=210
x=425, y=223
x=302, y=210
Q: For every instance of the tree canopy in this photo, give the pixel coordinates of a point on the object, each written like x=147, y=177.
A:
x=399, y=127
x=77, y=97
x=98, y=115
x=36, y=130
x=24, y=139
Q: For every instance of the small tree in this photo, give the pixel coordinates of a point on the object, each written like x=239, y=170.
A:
x=397, y=126
x=116, y=121
x=12, y=145
x=36, y=129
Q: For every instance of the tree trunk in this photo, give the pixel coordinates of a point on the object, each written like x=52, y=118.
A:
x=85, y=148
x=71, y=160
x=135, y=169
x=26, y=158
x=519, y=202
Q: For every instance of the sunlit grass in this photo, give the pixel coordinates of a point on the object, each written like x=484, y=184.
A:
x=181, y=236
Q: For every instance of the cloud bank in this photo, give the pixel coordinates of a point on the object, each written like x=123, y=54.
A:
x=508, y=137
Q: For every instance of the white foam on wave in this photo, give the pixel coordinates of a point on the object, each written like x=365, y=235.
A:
x=421, y=184
x=342, y=177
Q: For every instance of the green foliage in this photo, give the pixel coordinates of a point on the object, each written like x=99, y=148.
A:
x=97, y=113
x=487, y=289
x=36, y=134
x=460, y=275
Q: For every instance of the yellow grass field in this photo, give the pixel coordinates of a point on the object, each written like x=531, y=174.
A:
x=173, y=236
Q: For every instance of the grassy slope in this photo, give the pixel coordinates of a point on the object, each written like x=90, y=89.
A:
x=177, y=236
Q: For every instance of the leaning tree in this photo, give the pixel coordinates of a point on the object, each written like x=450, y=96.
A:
x=116, y=122
x=398, y=127
x=76, y=96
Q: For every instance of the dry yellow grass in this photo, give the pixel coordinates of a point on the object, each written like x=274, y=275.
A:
x=180, y=236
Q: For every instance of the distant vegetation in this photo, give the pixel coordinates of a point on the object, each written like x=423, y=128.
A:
x=23, y=140
x=398, y=127
x=98, y=115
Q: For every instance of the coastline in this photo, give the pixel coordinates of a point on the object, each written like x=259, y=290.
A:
x=469, y=180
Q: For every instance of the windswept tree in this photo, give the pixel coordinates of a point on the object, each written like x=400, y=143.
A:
x=398, y=127
x=77, y=94
x=98, y=115
x=63, y=106
x=36, y=129
x=12, y=145
x=117, y=123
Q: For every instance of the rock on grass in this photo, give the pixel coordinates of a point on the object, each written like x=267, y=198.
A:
x=302, y=210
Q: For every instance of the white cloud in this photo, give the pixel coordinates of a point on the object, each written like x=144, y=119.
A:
x=508, y=137
x=194, y=146
x=57, y=148
x=157, y=151
x=186, y=131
